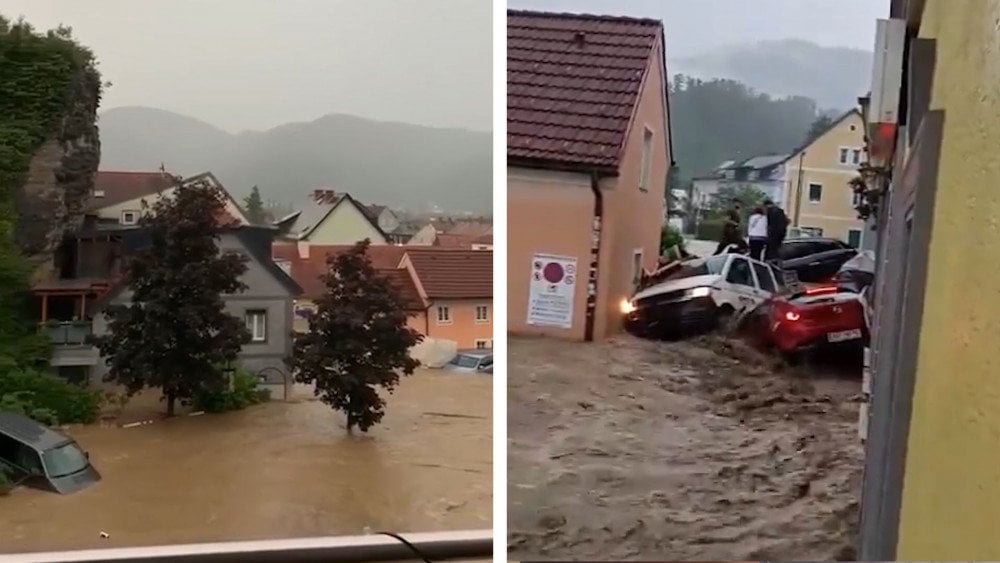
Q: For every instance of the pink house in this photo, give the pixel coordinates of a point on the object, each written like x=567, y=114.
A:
x=588, y=151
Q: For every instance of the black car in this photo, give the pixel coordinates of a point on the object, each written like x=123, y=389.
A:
x=815, y=259
x=38, y=456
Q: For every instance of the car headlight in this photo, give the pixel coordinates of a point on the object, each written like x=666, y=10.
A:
x=626, y=306
x=700, y=292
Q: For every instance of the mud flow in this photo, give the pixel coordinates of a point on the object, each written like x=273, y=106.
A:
x=697, y=450
x=277, y=470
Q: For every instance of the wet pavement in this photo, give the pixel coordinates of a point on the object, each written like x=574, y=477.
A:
x=697, y=450
x=277, y=470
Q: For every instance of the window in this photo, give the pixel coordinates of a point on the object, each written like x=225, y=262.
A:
x=815, y=193
x=130, y=217
x=647, y=158
x=850, y=155
x=444, y=316
x=482, y=313
x=856, y=156
x=764, y=279
x=854, y=238
x=845, y=153
x=636, y=268
x=257, y=325
x=483, y=344
x=739, y=272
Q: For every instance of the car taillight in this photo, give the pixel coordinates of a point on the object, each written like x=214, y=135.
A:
x=822, y=289
x=792, y=316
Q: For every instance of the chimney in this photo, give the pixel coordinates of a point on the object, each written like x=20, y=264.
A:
x=579, y=39
x=318, y=195
x=303, y=249
x=331, y=195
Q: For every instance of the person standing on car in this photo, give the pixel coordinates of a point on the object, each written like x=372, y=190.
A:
x=731, y=230
x=757, y=233
x=777, y=228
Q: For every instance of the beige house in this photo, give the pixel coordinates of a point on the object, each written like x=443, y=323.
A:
x=819, y=197
x=588, y=153
x=331, y=218
x=122, y=197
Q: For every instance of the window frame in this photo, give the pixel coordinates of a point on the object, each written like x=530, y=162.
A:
x=249, y=317
x=809, y=194
x=133, y=213
x=486, y=317
x=487, y=343
x=861, y=237
x=646, y=163
x=444, y=319
x=637, y=270
x=729, y=270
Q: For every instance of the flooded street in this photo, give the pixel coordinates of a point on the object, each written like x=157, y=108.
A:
x=693, y=450
x=277, y=470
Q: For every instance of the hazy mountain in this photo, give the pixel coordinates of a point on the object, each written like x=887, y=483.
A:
x=832, y=76
x=394, y=164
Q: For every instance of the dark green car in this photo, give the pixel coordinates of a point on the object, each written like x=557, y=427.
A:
x=33, y=454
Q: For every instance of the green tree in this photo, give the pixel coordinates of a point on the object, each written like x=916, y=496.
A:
x=175, y=334
x=818, y=127
x=254, y=207
x=358, y=340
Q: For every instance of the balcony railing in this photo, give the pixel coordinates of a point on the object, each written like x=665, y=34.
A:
x=69, y=333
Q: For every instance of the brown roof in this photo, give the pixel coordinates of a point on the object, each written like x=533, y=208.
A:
x=484, y=239
x=452, y=240
x=572, y=85
x=473, y=228
x=119, y=187
x=453, y=274
x=307, y=271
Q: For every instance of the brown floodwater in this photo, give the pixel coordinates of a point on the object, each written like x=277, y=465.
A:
x=278, y=470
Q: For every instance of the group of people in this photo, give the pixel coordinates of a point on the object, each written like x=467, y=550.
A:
x=766, y=230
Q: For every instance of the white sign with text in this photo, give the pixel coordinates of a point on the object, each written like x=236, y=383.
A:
x=553, y=286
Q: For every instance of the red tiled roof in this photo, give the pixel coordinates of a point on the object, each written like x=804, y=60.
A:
x=484, y=239
x=451, y=240
x=119, y=187
x=307, y=271
x=453, y=274
x=572, y=85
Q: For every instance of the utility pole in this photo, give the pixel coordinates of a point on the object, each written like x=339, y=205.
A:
x=798, y=191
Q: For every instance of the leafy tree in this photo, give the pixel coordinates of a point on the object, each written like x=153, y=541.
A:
x=358, y=340
x=723, y=200
x=175, y=334
x=254, y=207
x=818, y=127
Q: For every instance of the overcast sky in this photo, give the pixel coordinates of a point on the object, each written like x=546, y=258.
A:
x=255, y=64
x=696, y=26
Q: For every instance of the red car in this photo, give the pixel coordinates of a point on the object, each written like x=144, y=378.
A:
x=816, y=317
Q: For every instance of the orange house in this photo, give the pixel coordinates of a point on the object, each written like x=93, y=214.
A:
x=588, y=152
x=448, y=293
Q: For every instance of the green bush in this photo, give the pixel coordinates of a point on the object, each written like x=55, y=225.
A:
x=47, y=398
x=670, y=237
x=245, y=391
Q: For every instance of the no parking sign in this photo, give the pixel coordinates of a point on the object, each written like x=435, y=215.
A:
x=551, y=291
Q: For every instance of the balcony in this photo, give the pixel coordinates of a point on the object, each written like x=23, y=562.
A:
x=69, y=333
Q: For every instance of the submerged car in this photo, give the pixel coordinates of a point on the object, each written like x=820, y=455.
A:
x=35, y=455
x=696, y=295
x=472, y=361
x=817, y=317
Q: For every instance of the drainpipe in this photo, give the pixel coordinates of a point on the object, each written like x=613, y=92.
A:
x=798, y=190
x=595, y=255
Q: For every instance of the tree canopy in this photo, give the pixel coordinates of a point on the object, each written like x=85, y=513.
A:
x=358, y=340
x=175, y=334
x=254, y=207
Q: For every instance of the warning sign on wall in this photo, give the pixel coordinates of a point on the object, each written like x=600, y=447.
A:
x=550, y=294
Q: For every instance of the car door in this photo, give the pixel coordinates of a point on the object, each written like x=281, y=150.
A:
x=739, y=281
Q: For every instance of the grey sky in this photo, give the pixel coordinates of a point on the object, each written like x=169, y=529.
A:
x=254, y=64
x=695, y=26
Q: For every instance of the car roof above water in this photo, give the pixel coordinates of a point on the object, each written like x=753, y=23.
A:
x=30, y=432
x=476, y=352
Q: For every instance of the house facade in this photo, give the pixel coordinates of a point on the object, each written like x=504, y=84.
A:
x=90, y=270
x=931, y=480
x=817, y=175
x=331, y=218
x=588, y=154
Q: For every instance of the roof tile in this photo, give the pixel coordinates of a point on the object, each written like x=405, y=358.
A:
x=572, y=84
x=453, y=274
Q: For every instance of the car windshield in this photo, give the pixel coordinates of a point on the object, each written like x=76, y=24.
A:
x=65, y=460
x=464, y=361
x=712, y=265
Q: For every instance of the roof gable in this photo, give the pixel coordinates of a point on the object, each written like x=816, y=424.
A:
x=836, y=123
x=301, y=224
x=452, y=274
x=573, y=83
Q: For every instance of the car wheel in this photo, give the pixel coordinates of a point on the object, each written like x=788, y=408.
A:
x=725, y=317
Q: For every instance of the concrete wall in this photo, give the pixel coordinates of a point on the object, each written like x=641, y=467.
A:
x=345, y=225
x=952, y=480
x=835, y=212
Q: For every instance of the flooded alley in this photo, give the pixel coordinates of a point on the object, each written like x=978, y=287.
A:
x=277, y=470
x=697, y=450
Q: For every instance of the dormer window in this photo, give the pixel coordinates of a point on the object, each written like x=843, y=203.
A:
x=130, y=217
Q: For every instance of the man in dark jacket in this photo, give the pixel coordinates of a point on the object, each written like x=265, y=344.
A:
x=731, y=234
x=777, y=228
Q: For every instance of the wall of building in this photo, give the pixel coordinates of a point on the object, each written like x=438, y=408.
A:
x=464, y=329
x=424, y=237
x=835, y=212
x=345, y=225
x=548, y=213
x=114, y=212
x=634, y=216
x=952, y=477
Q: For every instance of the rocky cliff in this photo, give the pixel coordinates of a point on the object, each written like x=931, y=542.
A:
x=49, y=144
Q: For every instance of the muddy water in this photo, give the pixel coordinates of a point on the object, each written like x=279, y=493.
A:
x=681, y=451
x=277, y=470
